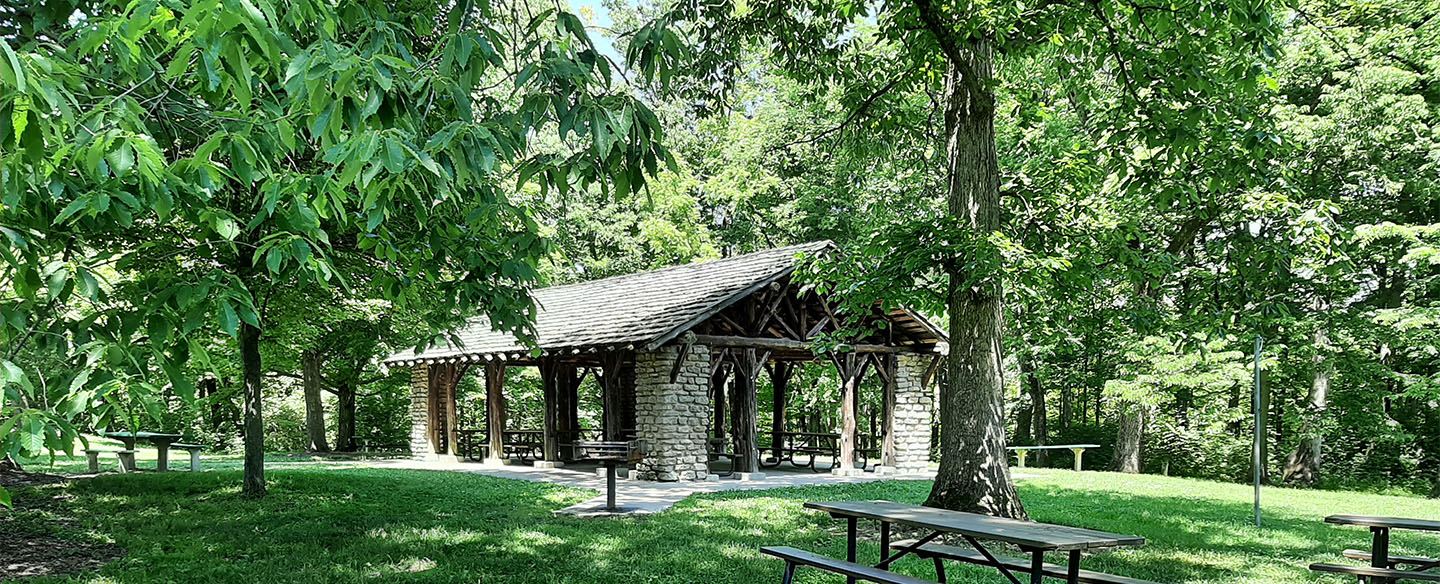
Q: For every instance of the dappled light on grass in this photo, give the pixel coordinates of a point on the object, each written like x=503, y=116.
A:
x=321, y=525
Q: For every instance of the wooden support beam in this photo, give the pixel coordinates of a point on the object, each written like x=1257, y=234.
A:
x=851, y=368
x=717, y=390
x=890, y=375
x=680, y=357
x=549, y=384
x=780, y=374
x=788, y=344
x=495, y=408
x=610, y=363
x=745, y=408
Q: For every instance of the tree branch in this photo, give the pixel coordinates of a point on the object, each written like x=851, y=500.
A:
x=950, y=43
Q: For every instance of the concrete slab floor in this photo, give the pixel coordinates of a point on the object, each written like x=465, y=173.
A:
x=637, y=497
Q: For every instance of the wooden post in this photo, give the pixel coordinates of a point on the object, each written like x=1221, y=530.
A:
x=443, y=412
x=851, y=368
x=780, y=381
x=610, y=395
x=889, y=372
x=717, y=385
x=495, y=409
x=549, y=380
x=569, y=414
x=745, y=409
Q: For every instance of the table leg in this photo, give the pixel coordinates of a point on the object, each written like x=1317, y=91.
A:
x=1380, y=551
x=1072, y=570
x=851, y=534
x=1037, y=567
x=609, y=486
x=162, y=456
x=884, y=540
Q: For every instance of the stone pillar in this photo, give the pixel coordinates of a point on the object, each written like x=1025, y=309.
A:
x=913, y=405
x=673, y=417
x=420, y=412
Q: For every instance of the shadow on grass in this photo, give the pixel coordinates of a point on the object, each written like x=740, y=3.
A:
x=414, y=526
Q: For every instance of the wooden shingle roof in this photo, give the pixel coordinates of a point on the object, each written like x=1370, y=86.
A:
x=633, y=310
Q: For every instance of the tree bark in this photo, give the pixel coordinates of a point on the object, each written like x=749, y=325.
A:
x=745, y=410
x=345, y=417
x=717, y=385
x=314, y=407
x=254, y=424
x=1303, y=464
x=1264, y=421
x=1129, y=438
x=974, y=470
x=779, y=381
x=1065, y=408
x=1039, y=416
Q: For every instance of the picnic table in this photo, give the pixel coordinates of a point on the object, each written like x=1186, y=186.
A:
x=161, y=441
x=1078, y=449
x=1383, y=566
x=1035, y=539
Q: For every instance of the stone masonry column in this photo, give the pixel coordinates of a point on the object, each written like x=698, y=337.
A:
x=912, y=414
x=420, y=412
x=673, y=417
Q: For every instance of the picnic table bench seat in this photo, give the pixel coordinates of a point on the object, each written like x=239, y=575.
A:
x=938, y=552
x=1365, y=556
x=194, y=450
x=1375, y=574
x=796, y=557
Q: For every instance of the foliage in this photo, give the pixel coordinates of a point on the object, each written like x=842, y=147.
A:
x=212, y=153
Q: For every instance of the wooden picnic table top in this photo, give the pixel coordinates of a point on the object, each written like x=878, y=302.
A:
x=1026, y=534
x=143, y=435
x=1392, y=522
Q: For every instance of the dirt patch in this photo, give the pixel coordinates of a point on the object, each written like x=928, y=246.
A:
x=28, y=555
x=12, y=477
x=28, y=544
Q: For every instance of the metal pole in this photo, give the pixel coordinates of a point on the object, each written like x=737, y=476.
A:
x=610, y=486
x=1255, y=455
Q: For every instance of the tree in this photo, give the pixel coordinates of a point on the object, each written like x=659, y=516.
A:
x=1176, y=75
x=221, y=152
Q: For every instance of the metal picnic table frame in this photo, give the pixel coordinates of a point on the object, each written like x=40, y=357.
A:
x=161, y=441
x=1034, y=538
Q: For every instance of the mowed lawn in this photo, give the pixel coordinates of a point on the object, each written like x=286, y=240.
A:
x=327, y=524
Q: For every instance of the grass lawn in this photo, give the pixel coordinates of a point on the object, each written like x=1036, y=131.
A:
x=327, y=524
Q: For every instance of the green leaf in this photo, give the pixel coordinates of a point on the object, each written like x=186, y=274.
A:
x=14, y=75
x=121, y=159
x=229, y=321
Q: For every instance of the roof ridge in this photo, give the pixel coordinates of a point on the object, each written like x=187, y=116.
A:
x=821, y=244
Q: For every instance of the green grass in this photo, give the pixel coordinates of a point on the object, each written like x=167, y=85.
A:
x=356, y=524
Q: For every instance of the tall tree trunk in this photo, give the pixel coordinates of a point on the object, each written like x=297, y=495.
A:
x=314, y=407
x=1303, y=464
x=1129, y=438
x=1264, y=421
x=254, y=424
x=1039, y=417
x=974, y=471
x=345, y=416
x=1022, y=424
x=1065, y=408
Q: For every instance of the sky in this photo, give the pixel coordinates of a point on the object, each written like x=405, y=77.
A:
x=592, y=13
